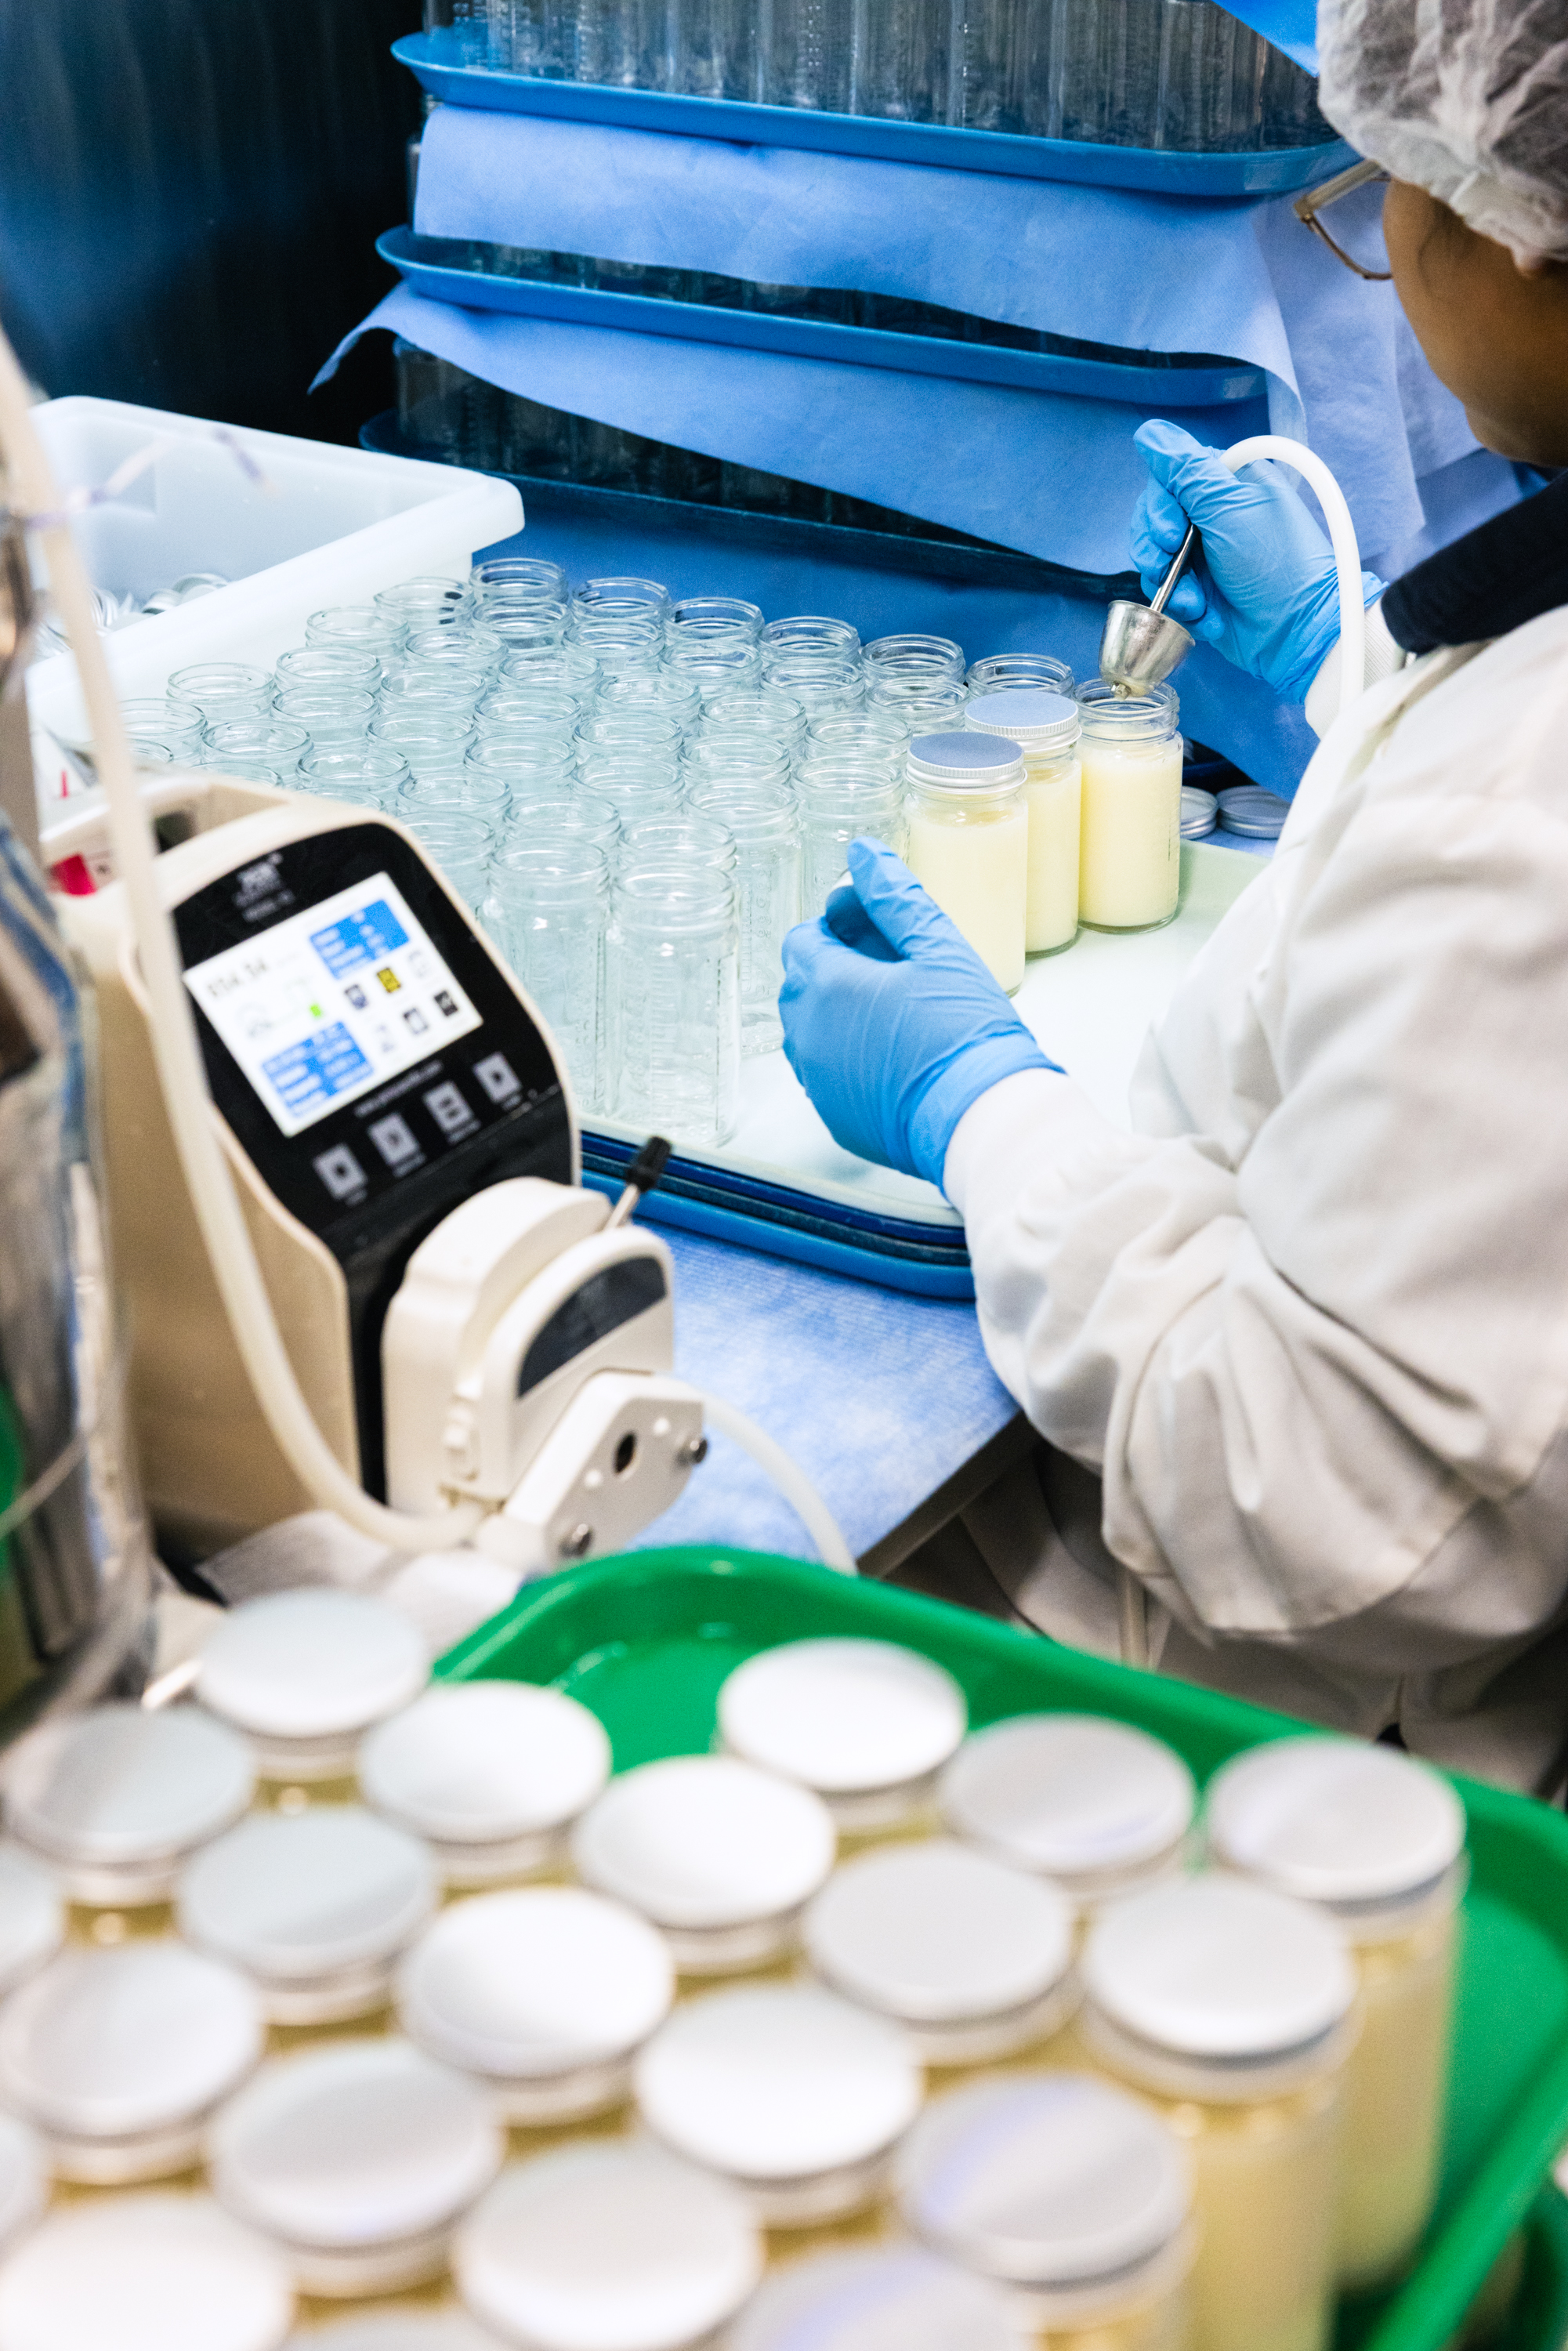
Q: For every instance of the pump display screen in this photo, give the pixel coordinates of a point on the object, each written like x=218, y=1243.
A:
x=332, y=1001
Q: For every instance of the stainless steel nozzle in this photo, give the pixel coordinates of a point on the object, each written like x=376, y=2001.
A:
x=1140, y=643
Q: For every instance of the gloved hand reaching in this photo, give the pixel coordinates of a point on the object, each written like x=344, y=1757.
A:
x=891, y=1022
x=1265, y=590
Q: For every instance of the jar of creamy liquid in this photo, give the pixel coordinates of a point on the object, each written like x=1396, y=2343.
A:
x=1045, y=726
x=867, y=1724
x=305, y=1674
x=969, y=841
x=607, y=2248
x=792, y=2094
x=358, y=2159
x=1096, y=1805
x=719, y=1856
x=32, y=1918
x=168, y=2270
x=972, y=1959
x=119, y=2058
x=1377, y=1840
x=491, y=1774
x=903, y=2299
x=116, y=1800
x=1129, y=871
x=316, y=1906
x=545, y=1995
x=1068, y=2193
x=1230, y=2009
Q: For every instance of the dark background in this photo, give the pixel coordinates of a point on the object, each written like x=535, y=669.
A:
x=190, y=193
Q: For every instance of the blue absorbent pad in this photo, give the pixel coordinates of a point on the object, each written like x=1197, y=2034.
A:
x=880, y=1398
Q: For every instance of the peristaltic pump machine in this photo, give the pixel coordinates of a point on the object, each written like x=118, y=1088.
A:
x=359, y=1267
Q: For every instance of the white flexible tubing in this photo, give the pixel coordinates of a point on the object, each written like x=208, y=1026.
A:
x=788, y=1476
x=1342, y=534
x=173, y=1034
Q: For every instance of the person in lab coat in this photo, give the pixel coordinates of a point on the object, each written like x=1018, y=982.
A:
x=1308, y=1321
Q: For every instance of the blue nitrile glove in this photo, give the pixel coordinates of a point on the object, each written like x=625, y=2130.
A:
x=1264, y=590
x=891, y=1022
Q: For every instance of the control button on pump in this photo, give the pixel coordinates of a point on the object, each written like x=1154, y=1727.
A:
x=498, y=1077
x=450, y=1110
x=341, y=1172
x=394, y=1141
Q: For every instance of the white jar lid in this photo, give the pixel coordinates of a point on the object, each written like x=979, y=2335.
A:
x=966, y=761
x=935, y=1933
x=706, y=1841
x=296, y=1896
x=24, y=2179
x=1034, y=718
x=843, y=1716
x=900, y=2300
x=775, y=2082
x=112, y=2044
x=1212, y=1967
x=32, y=1918
x=355, y=2142
x=1336, y=1820
x=1073, y=1796
x=118, y=1784
x=479, y=1762
x=1049, y=2179
x=143, y=2273
x=536, y=1983
x=607, y=2248
x=305, y=1665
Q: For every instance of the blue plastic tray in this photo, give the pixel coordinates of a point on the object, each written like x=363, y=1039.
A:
x=818, y=338
x=1271, y=171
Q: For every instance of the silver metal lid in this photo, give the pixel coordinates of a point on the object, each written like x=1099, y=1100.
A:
x=24, y=2178
x=536, y=1983
x=32, y=1918
x=705, y=1840
x=1034, y=718
x=356, y=2143
x=297, y=1895
x=1075, y=1797
x=1050, y=2179
x=480, y=1762
x=1336, y=1820
x=608, y=2248
x=935, y=1933
x=970, y=761
x=118, y=1784
x=776, y=2082
x=165, y=2269
x=311, y=1663
x=1249, y=810
x=114, y=2043
x=1199, y=813
x=902, y=2299
x=842, y=1716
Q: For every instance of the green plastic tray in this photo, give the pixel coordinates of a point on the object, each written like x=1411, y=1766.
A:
x=646, y=1640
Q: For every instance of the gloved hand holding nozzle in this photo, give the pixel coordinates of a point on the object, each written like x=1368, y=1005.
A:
x=1263, y=587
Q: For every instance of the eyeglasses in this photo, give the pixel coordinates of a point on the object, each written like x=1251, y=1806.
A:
x=1310, y=207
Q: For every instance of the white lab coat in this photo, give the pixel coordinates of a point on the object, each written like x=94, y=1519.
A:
x=1310, y=1319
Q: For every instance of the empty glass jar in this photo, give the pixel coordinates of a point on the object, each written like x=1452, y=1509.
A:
x=422, y=603
x=842, y=800
x=546, y=912
x=267, y=749
x=223, y=690
x=673, y=1001
x=998, y=673
x=359, y=628
x=372, y=774
x=764, y=822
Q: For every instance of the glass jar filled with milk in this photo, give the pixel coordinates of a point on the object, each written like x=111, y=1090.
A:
x=1129, y=874
x=1045, y=726
x=969, y=841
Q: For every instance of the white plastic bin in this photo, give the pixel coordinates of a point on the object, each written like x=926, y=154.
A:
x=326, y=526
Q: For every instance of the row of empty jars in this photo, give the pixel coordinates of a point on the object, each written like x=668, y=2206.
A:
x=1173, y=74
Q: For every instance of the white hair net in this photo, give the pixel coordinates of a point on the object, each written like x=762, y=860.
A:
x=1467, y=99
